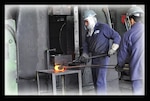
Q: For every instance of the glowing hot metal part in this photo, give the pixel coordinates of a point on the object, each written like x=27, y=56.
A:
x=59, y=68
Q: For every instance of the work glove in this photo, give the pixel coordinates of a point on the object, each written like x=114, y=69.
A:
x=113, y=49
x=111, y=52
x=118, y=68
x=84, y=58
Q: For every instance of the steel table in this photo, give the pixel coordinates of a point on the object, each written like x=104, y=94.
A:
x=62, y=74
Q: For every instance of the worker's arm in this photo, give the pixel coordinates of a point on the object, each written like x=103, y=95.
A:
x=123, y=54
x=84, y=56
x=85, y=46
x=114, y=35
x=110, y=33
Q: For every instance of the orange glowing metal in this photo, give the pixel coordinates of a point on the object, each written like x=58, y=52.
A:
x=59, y=68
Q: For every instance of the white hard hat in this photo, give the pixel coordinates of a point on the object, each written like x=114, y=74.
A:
x=89, y=13
x=136, y=11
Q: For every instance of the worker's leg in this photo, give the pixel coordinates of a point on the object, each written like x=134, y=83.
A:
x=101, y=82
x=137, y=86
x=95, y=71
x=94, y=76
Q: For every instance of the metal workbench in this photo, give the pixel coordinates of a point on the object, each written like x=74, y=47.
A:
x=62, y=74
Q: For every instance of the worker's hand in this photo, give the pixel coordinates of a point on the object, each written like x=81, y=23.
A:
x=84, y=58
x=111, y=52
x=113, y=49
x=118, y=68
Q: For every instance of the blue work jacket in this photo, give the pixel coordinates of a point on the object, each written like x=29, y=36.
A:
x=99, y=41
x=132, y=50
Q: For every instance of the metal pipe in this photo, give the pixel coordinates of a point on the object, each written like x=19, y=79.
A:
x=101, y=66
x=97, y=56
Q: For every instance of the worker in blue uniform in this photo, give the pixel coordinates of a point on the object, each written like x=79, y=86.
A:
x=132, y=48
x=97, y=42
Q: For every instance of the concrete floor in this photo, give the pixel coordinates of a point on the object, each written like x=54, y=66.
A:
x=124, y=89
x=114, y=87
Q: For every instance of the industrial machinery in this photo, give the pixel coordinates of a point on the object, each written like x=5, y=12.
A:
x=11, y=87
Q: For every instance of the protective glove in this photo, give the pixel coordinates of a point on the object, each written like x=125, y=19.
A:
x=113, y=49
x=111, y=52
x=84, y=58
x=118, y=68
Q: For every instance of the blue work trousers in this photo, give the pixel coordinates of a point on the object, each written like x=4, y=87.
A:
x=99, y=75
x=137, y=87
